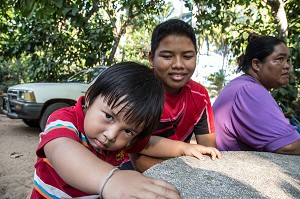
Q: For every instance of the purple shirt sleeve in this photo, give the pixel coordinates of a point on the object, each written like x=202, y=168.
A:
x=259, y=122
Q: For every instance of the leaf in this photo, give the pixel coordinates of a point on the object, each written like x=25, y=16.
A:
x=27, y=7
x=283, y=91
x=66, y=10
x=245, y=35
x=59, y=3
x=74, y=10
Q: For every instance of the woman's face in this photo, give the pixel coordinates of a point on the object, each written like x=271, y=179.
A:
x=174, y=62
x=274, y=72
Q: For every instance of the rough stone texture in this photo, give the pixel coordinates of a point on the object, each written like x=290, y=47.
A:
x=237, y=175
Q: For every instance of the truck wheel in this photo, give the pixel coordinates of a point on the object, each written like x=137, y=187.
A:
x=49, y=110
x=31, y=123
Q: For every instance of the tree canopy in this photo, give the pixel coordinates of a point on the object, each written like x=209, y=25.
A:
x=53, y=37
x=227, y=24
x=44, y=40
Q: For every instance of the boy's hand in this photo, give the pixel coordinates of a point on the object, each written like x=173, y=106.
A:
x=197, y=151
x=132, y=184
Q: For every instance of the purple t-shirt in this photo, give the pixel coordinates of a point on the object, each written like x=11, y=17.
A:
x=247, y=118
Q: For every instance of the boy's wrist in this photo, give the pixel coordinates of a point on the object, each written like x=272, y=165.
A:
x=183, y=148
x=106, y=180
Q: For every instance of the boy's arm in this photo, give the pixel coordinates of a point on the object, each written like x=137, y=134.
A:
x=69, y=158
x=81, y=169
x=157, y=149
x=161, y=147
x=142, y=162
x=208, y=139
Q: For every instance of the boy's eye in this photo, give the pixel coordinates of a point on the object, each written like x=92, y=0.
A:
x=129, y=132
x=166, y=56
x=108, y=117
x=188, y=57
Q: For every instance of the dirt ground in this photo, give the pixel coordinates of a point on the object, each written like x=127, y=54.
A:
x=17, y=157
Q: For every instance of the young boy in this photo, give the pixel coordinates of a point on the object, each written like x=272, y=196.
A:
x=187, y=107
x=81, y=145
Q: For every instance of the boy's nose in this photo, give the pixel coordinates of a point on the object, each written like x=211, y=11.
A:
x=111, y=134
x=177, y=63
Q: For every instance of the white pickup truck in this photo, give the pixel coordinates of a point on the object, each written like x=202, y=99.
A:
x=34, y=102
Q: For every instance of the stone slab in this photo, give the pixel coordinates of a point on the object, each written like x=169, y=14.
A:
x=238, y=174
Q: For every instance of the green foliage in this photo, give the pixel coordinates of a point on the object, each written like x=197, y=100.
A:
x=228, y=23
x=10, y=73
x=217, y=80
x=55, y=41
x=288, y=97
x=137, y=46
x=286, y=94
x=58, y=38
x=43, y=40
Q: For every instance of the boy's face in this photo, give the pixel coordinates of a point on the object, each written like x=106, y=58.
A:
x=104, y=127
x=174, y=62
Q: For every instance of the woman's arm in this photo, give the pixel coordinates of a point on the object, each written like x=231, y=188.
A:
x=292, y=149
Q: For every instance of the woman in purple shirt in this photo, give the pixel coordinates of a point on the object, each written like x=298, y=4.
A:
x=246, y=115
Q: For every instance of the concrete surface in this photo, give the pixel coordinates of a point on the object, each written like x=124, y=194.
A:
x=237, y=175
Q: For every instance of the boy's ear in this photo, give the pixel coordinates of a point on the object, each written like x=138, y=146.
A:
x=151, y=57
x=256, y=64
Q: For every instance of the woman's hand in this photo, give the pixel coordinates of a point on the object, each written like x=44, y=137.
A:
x=132, y=184
x=197, y=151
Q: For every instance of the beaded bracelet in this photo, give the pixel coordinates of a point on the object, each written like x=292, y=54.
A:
x=106, y=179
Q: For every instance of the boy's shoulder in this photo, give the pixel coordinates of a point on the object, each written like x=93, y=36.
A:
x=63, y=113
x=195, y=86
x=70, y=115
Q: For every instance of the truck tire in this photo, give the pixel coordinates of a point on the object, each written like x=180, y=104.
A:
x=49, y=110
x=31, y=123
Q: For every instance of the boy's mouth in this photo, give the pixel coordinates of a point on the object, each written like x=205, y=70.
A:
x=100, y=144
x=177, y=76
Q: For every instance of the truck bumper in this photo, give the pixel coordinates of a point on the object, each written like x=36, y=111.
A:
x=21, y=110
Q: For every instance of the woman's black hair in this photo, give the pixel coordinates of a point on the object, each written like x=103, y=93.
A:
x=172, y=27
x=259, y=47
x=135, y=86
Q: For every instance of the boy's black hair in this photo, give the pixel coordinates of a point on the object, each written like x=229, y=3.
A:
x=259, y=47
x=172, y=27
x=140, y=91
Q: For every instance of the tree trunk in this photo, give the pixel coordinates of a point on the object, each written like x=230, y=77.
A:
x=280, y=18
x=116, y=43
